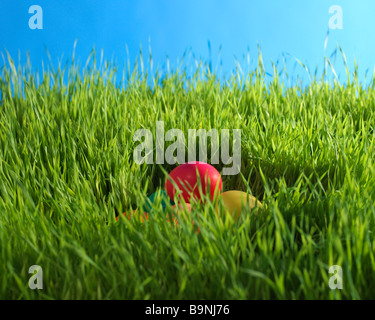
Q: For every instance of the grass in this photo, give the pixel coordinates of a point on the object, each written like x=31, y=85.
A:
x=66, y=172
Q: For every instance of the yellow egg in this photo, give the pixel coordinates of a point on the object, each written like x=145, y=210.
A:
x=235, y=200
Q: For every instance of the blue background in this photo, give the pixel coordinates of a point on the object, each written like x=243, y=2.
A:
x=294, y=28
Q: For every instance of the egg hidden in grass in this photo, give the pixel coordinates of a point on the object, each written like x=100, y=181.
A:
x=187, y=177
x=135, y=213
x=235, y=201
x=154, y=198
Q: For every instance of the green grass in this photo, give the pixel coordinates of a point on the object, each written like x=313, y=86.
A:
x=66, y=172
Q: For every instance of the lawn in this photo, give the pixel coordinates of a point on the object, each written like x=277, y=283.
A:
x=67, y=171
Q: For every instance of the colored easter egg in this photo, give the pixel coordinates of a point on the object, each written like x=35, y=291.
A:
x=135, y=212
x=234, y=201
x=178, y=209
x=181, y=208
x=187, y=176
x=159, y=196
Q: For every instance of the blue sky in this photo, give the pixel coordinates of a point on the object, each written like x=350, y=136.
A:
x=295, y=28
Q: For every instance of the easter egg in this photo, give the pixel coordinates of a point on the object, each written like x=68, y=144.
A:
x=186, y=177
x=181, y=208
x=160, y=197
x=134, y=213
x=177, y=211
x=234, y=201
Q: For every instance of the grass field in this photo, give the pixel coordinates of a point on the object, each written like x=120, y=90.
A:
x=66, y=172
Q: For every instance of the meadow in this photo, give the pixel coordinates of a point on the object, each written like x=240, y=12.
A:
x=67, y=172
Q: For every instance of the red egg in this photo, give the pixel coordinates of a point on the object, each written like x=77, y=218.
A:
x=181, y=207
x=186, y=179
